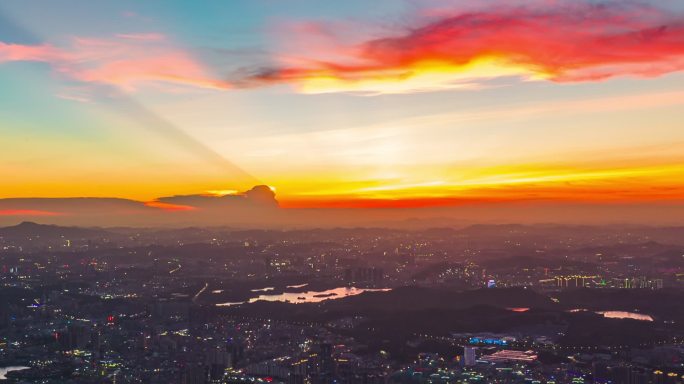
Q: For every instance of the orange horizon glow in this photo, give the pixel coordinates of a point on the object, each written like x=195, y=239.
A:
x=28, y=212
x=533, y=196
x=502, y=184
x=619, y=184
x=590, y=195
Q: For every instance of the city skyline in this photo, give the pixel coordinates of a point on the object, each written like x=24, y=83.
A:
x=390, y=105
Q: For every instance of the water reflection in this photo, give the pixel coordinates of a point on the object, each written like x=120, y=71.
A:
x=316, y=296
x=297, y=285
x=229, y=304
x=625, y=315
x=518, y=309
x=309, y=296
x=263, y=289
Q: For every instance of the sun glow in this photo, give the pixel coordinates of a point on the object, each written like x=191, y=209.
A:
x=504, y=183
x=422, y=76
x=221, y=192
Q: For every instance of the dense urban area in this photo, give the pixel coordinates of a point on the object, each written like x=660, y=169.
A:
x=475, y=304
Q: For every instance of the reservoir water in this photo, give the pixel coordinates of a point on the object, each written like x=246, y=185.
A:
x=308, y=296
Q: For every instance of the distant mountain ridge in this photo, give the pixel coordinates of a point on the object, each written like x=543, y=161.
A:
x=615, y=239
x=47, y=231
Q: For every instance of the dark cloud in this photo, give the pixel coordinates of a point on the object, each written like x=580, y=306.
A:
x=256, y=206
x=261, y=196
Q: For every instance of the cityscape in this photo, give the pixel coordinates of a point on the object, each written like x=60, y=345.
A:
x=342, y=192
x=480, y=304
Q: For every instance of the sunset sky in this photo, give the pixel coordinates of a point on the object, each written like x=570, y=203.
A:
x=357, y=103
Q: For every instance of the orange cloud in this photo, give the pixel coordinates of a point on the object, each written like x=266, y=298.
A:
x=126, y=61
x=556, y=41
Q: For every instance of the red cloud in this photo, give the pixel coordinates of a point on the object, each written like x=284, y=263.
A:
x=557, y=41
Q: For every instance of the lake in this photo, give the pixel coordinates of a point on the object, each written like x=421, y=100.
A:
x=308, y=296
x=625, y=315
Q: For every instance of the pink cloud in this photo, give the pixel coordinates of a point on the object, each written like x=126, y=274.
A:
x=125, y=61
x=18, y=52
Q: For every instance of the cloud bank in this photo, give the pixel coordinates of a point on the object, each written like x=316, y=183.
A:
x=257, y=206
x=555, y=41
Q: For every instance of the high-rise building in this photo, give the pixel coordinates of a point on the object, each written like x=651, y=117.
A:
x=600, y=372
x=621, y=374
x=194, y=373
x=236, y=349
x=76, y=336
x=326, y=363
x=469, y=356
x=218, y=359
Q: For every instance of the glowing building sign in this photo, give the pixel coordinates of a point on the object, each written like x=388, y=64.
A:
x=487, y=341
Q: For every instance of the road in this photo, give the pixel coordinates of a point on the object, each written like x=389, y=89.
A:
x=197, y=295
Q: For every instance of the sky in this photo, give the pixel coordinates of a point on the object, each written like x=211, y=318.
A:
x=387, y=104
